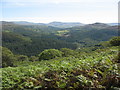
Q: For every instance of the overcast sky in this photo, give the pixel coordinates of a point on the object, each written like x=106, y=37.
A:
x=44, y=11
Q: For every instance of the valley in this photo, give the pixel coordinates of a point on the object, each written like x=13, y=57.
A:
x=40, y=56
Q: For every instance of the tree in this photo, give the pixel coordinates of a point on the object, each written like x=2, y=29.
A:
x=8, y=57
x=49, y=54
x=22, y=58
x=67, y=52
x=115, y=41
x=33, y=58
x=104, y=44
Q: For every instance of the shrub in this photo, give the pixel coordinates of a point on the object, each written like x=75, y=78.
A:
x=7, y=57
x=67, y=52
x=49, y=54
x=22, y=58
x=115, y=41
x=105, y=44
x=33, y=58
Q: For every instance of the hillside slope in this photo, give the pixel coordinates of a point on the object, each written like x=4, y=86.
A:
x=97, y=69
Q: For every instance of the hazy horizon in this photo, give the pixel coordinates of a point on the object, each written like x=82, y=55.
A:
x=57, y=21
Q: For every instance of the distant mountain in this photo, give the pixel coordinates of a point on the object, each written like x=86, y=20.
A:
x=31, y=39
x=57, y=24
x=113, y=24
x=90, y=34
x=65, y=24
x=94, y=26
x=27, y=23
x=97, y=25
x=28, y=28
x=6, y=22
x=53, y=24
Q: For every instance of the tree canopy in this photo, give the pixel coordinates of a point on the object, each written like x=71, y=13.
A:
x=50, y=54
x=7, y=57
x=115, y=41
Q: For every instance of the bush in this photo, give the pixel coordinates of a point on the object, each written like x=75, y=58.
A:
x=117, y=58
x=7, y=57
x=33, y=58
x=22, y=58
x=105, y=44
x=68, y=52
x=115, y=41
x=49, y=54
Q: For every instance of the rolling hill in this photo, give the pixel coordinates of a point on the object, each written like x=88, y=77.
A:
x=19, y=38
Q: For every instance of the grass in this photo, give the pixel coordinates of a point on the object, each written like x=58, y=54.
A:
x=62, y=33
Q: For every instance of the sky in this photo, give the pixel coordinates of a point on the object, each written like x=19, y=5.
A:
x=45, y=11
